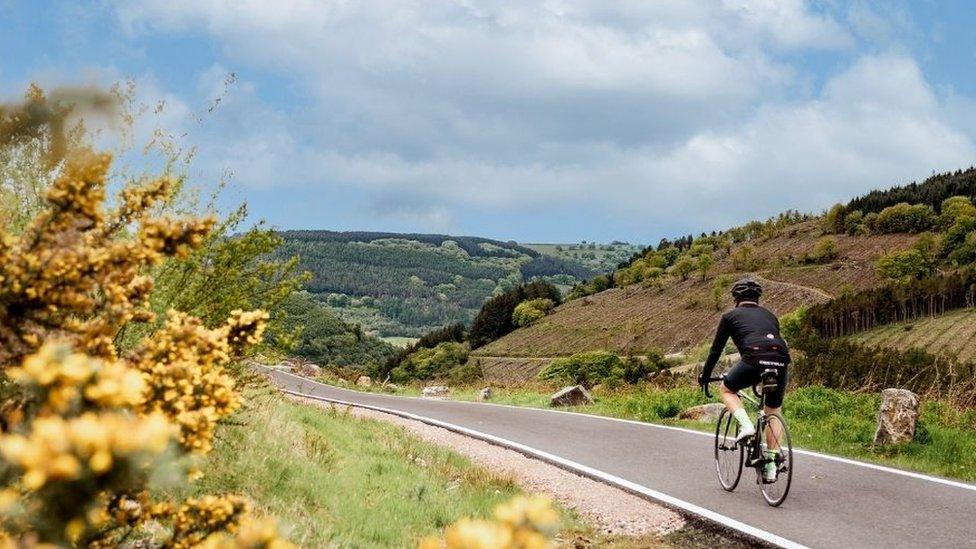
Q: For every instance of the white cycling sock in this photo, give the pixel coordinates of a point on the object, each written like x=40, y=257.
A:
x=742, y=416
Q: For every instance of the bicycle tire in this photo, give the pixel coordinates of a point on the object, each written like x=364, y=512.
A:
x=729, y=456
x=775, y=493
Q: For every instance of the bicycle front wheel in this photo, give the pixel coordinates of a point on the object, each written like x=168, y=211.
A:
x=729, y=456
x=777, y=438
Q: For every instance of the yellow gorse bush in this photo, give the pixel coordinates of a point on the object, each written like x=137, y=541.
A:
x=85, y=424
x=183, y=364
x=525, y=522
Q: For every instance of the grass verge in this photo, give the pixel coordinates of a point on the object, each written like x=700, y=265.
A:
x=336, y=480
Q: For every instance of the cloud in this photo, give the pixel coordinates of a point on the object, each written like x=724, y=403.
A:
x=649, y=116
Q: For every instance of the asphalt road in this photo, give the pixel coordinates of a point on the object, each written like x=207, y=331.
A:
x=832, y=503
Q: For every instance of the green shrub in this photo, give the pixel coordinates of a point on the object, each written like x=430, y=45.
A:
x=957, y=243
x=719, y=289
x=834, y=220
x=683, y=267
x=440, y=361
x=903, y=266
x=955, y=208
x=594, y=367
x=636, y=369
x=587, y=369
x=844, y=364
x=530, y=311
x=791, y=325
x=905, y=218
x=744, y=258
x=824, y=250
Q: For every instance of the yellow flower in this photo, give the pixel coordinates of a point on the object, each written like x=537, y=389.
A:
x=521, y=523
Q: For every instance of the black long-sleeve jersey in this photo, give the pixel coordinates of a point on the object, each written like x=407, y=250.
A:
x=755, y=332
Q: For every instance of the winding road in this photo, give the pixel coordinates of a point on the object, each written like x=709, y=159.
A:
x=834, y=502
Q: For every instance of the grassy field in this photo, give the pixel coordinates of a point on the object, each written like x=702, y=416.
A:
x=820, y=419
x=951, y=334
x=398, y=341
x=335, y=480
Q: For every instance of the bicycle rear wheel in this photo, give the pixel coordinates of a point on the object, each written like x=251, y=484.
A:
x=729, y=456
x=778, y=436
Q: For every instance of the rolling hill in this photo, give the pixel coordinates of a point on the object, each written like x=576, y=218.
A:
x=677, y=316
x=395, y=284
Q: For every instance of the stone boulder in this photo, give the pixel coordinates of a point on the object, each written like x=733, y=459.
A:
x=485, y=394
x=705, y=413
x=435, y=391
x=897, y=417
x=364, y=381
x=574, y=395
x=307, y=369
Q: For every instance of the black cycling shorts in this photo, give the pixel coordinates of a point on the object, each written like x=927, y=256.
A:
x=744, y=375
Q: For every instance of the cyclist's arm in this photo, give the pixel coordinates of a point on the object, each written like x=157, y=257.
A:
x=718, y=345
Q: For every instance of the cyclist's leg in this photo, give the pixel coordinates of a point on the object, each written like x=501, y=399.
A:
x=739, y=377
x=774, y=405
x=730, y=398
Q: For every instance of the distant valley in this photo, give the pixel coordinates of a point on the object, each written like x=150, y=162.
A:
x=398, y=285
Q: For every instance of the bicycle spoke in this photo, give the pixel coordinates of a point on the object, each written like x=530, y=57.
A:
x=777, y=436
x=728, y=456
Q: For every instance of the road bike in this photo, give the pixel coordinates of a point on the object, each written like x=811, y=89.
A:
x=771, y=433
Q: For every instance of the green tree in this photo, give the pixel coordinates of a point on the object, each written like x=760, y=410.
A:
x=744, y=258
x=906, y=218
x=683, y=267
x=955, y=208
x=834, y=221
x=585, y=369
x=315, y=333
x=530, y=311
x=444, y=360
x=903, y=266
x=719, y=290
x=704, y=264
x=495, y=317
x=825, y=250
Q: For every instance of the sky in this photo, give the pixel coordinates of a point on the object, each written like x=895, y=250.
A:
x=549, y=121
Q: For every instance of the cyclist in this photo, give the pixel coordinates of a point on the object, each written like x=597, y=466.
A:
x=755, y=332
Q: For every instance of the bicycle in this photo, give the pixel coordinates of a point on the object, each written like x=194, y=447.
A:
x=771, y=430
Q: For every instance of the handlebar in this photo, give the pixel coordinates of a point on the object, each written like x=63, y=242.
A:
x=710, y=380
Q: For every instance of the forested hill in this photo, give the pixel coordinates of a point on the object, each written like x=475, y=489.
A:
x=400, y=284
x=470, y=244
x=931, y=192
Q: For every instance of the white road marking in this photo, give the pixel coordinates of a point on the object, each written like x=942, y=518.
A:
x=848, y=461
x=585, y=470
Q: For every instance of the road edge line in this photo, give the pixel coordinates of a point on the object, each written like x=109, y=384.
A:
x=829, y=457
x=578, y=468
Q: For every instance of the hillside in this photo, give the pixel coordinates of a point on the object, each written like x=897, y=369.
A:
x=597, y=257
x=679, y=315
x=323, y=338
x=407, y=284
x=952, y=334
